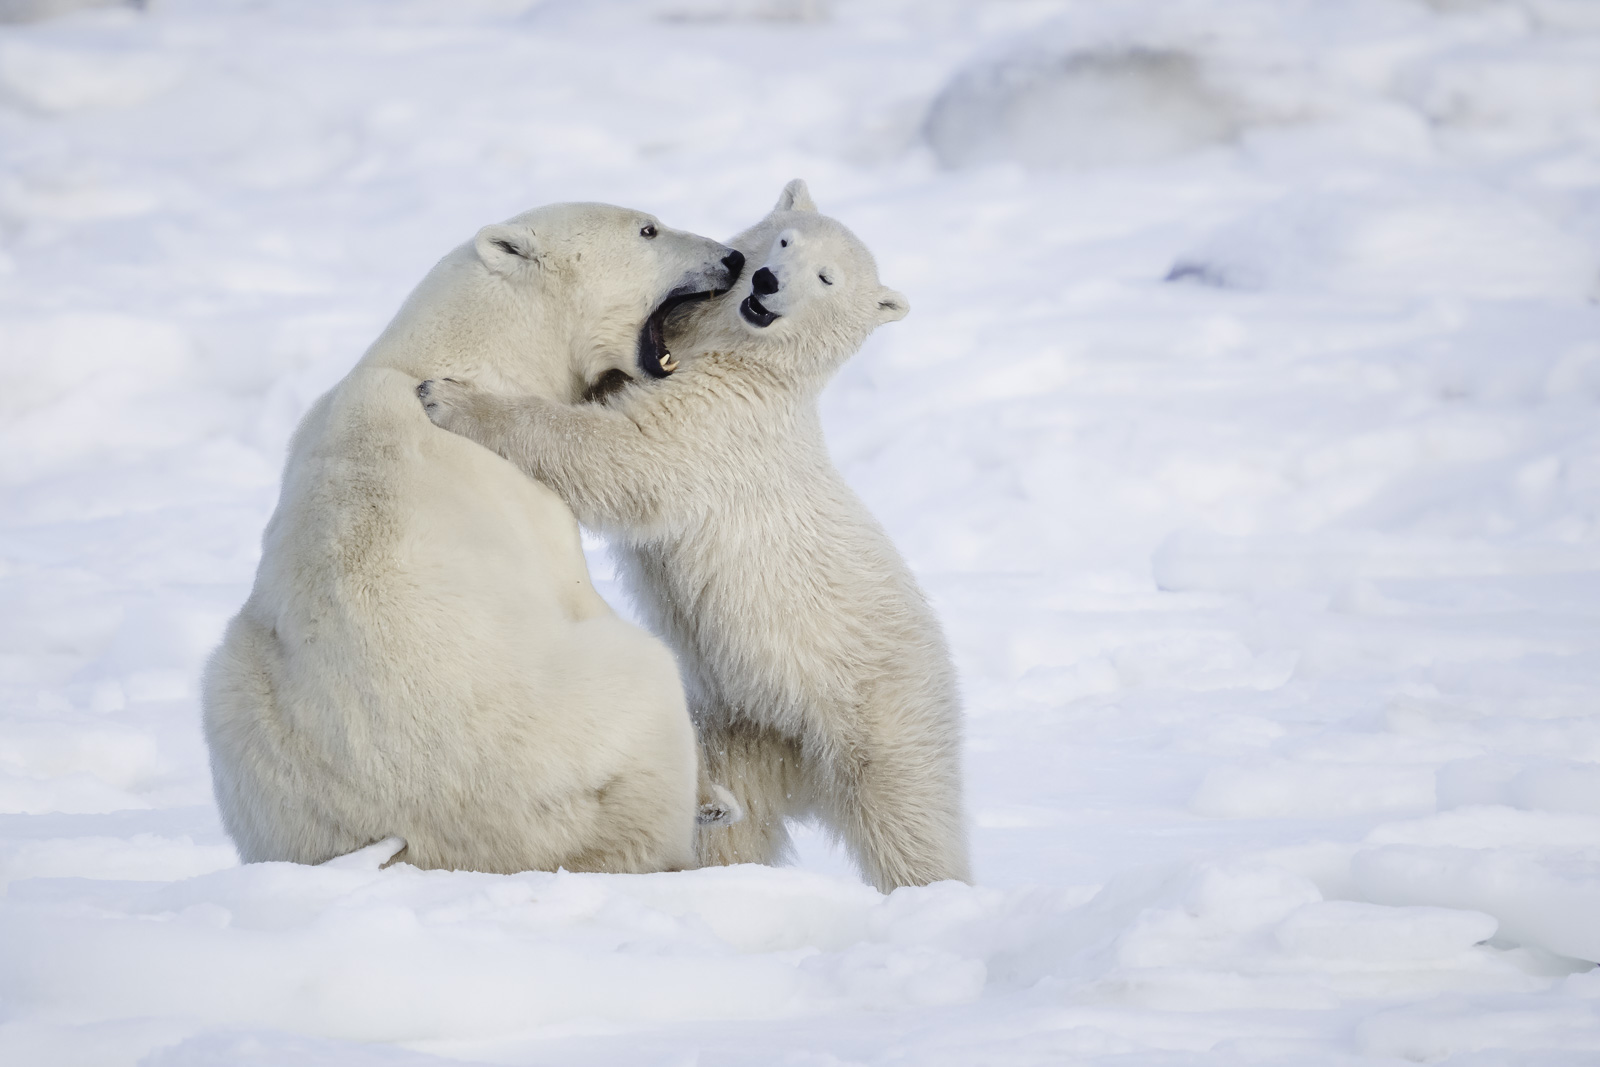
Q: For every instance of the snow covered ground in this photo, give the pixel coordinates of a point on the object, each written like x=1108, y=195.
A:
x=1245, y=431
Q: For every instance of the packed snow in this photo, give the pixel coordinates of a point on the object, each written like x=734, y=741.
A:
x=1245, y=433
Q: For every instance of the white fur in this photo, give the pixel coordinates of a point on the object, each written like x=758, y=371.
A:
x=423, y=654
x=817, y=674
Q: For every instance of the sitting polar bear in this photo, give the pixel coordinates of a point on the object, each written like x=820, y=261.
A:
x=819, y=678
x=422, y=654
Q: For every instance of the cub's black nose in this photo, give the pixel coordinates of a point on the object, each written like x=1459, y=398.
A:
x=734, y=261
x=765, y=282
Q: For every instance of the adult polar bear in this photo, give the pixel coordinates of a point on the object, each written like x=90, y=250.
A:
x=423, y=654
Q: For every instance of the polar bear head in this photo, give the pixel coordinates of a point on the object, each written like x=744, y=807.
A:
x=616, y=273
x=553, y=300
x=815, y=291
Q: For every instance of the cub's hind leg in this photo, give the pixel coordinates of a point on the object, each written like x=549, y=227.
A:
x=892, y=791
x=718, y=805
x=761, y=768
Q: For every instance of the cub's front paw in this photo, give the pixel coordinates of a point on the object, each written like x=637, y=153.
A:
x=448, y=402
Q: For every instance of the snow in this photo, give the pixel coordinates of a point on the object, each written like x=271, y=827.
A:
x=1244, y=434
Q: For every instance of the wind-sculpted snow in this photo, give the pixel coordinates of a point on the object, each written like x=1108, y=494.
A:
x=1117, y=106
x=1246, y=435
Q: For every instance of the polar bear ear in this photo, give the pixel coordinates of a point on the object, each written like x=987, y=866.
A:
x=892, y=305
x=505, y=247
x=795, y=197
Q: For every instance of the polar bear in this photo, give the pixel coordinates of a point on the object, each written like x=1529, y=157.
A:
x=423, y=654
x=817, y=673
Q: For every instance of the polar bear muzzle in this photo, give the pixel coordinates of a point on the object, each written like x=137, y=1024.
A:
x=654, y=359
x=762, y=283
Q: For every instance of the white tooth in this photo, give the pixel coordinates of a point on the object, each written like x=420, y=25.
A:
x=669, y=365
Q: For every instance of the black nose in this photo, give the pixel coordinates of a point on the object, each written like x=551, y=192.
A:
x=734, y=261
x=765, y=282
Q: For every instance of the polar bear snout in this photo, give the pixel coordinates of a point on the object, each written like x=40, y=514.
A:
x=716, y=274
x=702, y=283
x=715, y=280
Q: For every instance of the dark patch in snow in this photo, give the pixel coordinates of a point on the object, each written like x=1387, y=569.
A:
x=1186, y=270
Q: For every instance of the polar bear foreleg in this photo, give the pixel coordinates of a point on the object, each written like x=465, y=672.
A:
x=597, y=459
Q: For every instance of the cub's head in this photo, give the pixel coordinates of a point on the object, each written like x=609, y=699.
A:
x=814, y=286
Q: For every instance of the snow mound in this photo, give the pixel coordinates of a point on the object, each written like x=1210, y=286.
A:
x=801, y=11
x=1537, y=902
x=1534, y=785
x=35, y=10
x=1081, y=109
x=1500, y=96
x=1536, y=872
x=1461, y=242
x=1473, y=1033
x=1288, y=789
x=84, y=386
x=1355, y=932
x=56, y=79
x=333, y=950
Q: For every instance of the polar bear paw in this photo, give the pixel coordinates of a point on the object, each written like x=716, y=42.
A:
x=721, y=810
x=448, y=402
x=373, y=857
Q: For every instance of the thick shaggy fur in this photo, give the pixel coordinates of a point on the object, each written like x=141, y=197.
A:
x=817, y=673
x=422, y=654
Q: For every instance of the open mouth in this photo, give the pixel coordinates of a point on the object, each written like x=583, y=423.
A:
x=756, y=314
x=654, y=359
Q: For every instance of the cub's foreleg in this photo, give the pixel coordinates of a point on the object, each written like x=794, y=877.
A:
x=599, y=460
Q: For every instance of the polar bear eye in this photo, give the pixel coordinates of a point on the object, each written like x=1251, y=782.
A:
x=648, y=232
x=825, y=279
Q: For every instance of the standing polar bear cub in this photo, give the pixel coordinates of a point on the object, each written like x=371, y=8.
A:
x=817, y=673
x=422, y=654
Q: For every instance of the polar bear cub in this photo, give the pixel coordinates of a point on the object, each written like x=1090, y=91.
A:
x=422, y=654
x=817, y=674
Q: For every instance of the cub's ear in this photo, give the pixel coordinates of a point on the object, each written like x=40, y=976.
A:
x=505, y=247
x=795, y=197
x=892, y=305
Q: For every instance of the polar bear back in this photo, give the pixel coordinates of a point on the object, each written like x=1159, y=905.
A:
x=523, y=693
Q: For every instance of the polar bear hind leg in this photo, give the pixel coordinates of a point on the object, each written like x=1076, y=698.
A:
x=623, y=687
x=761, y=769
x=268, y=808
x=893, y=794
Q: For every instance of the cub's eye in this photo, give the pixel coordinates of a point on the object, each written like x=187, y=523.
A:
x=825, y=279
x=784, y=243
x=648, y=232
